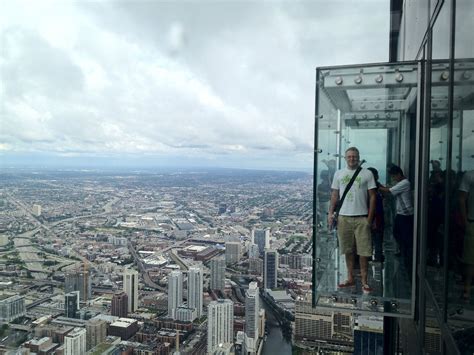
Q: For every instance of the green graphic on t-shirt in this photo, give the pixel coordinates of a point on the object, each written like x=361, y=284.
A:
x=345, y=181
x=347, y=178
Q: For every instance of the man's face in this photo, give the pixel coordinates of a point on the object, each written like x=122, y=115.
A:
x=352, y=159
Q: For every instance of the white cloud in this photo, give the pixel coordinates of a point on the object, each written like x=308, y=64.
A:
x=179, y=79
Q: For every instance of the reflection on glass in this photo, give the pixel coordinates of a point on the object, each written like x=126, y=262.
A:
x=461, y=239
x=464, y=47
x=441, y=33
x=436, y=180
x=416, y=13
x=373, y=108
x=439, y=140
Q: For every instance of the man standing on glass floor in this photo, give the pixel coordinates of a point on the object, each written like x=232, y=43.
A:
x=355, y=216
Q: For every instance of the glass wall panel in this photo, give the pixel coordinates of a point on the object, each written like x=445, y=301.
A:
x=416, y=20
x=464, y=47
x=438, y=153
x=460, y=312
x=371, y=107
x=328, y=161
x=441, y=33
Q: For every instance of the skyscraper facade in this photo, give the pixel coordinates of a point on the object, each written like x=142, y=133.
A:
x=96, y=331
x=252, y=310
x=130, y=287
x=175, y=292
x=261, y=237
x=220, y=324
x=324, y=329
x=36, y=210
x=79, y=280
x=218, y=274
x=12, y=308
x=119, y=307
x=253, y=251
x=256, y=266
x=195, y=289
x=75, y=342
x=232, y=252
x=270, y=269
x=71, y=304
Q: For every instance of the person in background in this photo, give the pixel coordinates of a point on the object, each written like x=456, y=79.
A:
x=378, y=224
x=403, y=223
x=436, y=199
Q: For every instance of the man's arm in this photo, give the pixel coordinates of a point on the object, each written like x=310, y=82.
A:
x=372, y=203
x=332, y=205
x=384, y=189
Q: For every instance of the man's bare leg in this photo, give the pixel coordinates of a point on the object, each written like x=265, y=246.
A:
x=350, y=266
x=364, y=267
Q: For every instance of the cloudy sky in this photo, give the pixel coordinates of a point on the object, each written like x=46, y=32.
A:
x=203, y=83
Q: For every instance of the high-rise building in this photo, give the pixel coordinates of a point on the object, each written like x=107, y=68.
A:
x=71, y=304
x=326, y=330
x=270, y=269
x=261, y=237
x=253, y=251
x=195, y=289
x=175, y=292
x=222, y=208
x=12, y=308
x=295, y=261
x=79, y=280
x=252, y=311
x=306, y=261
x=220, y=324
x=75, y=342
x=368, y=335
x=185, y=314
x=130, y=287
x=256, y=266
x=96, y=332
x=218, y=274
x=37, y=210
x=232, y=252
x=119, y=306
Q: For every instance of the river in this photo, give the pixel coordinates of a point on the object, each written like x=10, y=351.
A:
x=275, y=343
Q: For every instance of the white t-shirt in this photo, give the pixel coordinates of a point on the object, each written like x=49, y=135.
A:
x=467, y=185
x=403, y=197
x=356, y=201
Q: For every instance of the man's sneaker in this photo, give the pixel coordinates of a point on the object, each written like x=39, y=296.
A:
x=366, y=289
x=346, y=284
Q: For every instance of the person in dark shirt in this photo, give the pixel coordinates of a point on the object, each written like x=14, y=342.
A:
x=378, y=225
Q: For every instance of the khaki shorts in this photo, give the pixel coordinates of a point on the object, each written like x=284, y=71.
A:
x=354, y=234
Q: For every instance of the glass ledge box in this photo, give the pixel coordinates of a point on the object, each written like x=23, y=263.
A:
x=378, y=109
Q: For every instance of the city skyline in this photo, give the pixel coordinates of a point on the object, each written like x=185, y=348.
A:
x=151, y=84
